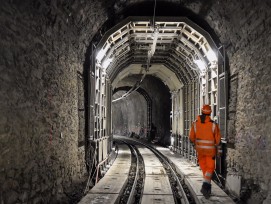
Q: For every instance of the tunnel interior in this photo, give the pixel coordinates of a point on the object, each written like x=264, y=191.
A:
x=178, y=53
x=57, y=116
x=149, y=105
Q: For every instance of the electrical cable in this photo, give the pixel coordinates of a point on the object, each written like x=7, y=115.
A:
x=154, y=9
x=150, y=54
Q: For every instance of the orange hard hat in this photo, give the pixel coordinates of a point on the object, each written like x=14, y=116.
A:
x=206, y=109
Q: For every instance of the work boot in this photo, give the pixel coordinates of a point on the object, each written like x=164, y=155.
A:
x=206, y=190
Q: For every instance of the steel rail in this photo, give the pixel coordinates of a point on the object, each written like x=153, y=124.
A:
x=184, y=198
x=133, y=189
x=132, y=194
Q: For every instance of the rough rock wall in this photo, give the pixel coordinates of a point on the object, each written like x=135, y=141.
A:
x=129, y=115
x=161, y=107
x=160, y=97
x=43, y=46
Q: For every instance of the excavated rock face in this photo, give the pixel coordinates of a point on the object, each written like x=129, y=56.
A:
x=45, y=47
x=130, y=114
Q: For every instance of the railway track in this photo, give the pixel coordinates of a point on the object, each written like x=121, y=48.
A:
x=140, y=174
x=162, y=182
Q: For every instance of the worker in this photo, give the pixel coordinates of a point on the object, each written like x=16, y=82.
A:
x=206, y=138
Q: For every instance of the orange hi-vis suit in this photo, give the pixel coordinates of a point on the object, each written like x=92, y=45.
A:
x=206, y=137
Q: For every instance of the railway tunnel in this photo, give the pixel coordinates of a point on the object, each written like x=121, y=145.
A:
x=75, y=73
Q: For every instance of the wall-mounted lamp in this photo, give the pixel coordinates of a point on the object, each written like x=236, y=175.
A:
x=172, y=141
x=201, y=65
x=211, y=56
x=106, y=63
x=102, y=53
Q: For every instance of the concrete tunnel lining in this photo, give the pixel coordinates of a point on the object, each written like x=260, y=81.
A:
x=114, y=48
x=179, y=41
x=160, y=71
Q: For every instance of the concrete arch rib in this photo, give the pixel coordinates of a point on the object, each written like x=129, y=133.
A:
x=179, y=39
x=166, y=75
x=177, y=65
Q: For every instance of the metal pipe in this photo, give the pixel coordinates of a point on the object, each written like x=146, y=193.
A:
x=98, y=167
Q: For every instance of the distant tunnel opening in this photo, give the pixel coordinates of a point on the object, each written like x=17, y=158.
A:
x=146, y=112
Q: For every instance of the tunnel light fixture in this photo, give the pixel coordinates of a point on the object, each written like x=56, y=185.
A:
x=211, y=56
x=172, y=140
x=100, y=55
x=120, y=151
x=106, y=63
x=201, y=65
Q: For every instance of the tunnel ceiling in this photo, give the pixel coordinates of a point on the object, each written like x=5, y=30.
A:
x=168, y=77
x=180, y=50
